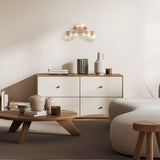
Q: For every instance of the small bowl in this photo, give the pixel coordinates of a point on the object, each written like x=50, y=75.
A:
x=23, y=108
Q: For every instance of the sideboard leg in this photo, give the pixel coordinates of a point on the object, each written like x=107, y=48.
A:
x=14, y=126
x=69, y=126
x=24, y=132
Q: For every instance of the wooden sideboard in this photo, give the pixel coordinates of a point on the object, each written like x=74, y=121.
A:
x=88, y=95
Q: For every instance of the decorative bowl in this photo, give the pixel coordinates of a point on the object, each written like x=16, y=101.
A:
x=23, y=108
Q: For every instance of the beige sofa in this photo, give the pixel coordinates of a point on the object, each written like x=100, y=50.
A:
x=123, y=112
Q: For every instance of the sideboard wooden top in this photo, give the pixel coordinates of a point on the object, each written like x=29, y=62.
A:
x=79, y=75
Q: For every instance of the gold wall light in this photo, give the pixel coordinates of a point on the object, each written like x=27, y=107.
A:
x=80, y=30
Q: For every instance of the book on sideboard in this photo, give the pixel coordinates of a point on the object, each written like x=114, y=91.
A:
x=58, y=71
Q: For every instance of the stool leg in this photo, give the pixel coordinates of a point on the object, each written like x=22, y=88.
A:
x=158, y=139
x=149, y=146
x=139, y=146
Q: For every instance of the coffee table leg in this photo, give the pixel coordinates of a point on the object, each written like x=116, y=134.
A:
x=24, y=131
x=14, y=126
x=69, y=126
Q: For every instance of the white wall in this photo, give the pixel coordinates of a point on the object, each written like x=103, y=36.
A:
x=128, y=33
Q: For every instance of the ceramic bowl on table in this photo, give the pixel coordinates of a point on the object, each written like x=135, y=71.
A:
x=23, y=108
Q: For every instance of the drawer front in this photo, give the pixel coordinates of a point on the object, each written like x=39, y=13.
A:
x=58, y=86
x=95, y=107
x=71, y=104
x=101, y=86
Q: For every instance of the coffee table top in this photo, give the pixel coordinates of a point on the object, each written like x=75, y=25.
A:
x=17, y=116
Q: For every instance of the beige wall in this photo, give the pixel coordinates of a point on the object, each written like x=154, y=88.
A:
x=128, y=33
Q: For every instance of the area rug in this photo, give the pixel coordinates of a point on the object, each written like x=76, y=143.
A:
x=48, y=140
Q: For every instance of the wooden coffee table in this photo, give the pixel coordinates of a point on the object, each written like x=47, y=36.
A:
x=64, y=120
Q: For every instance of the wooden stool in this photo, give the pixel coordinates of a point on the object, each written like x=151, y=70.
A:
x=146, y=127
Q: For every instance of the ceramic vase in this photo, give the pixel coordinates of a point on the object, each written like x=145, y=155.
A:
x=48, y=104
x=37, y=102
x=99, y=64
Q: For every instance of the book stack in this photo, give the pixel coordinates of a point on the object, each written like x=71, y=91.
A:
x=58, y=71
x=35, y=113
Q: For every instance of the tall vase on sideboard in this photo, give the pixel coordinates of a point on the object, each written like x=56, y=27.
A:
x=99, y=64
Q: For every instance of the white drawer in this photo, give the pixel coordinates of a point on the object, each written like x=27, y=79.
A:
x=93, y=107
x=101, y=86
x=71, y=104
x=58, y=86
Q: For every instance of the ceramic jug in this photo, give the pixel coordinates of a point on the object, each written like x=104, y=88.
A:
x=50, y=101
x=37, y=102
x=99, y=64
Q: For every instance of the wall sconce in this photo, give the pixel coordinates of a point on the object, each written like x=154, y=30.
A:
x=81, y=30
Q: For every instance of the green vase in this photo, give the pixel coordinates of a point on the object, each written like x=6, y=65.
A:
x=82, y=66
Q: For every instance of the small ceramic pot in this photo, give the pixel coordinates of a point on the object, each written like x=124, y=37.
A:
x=37, y=102
x=49, y=103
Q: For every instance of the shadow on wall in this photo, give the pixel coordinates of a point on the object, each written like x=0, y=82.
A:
x=21, y=91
